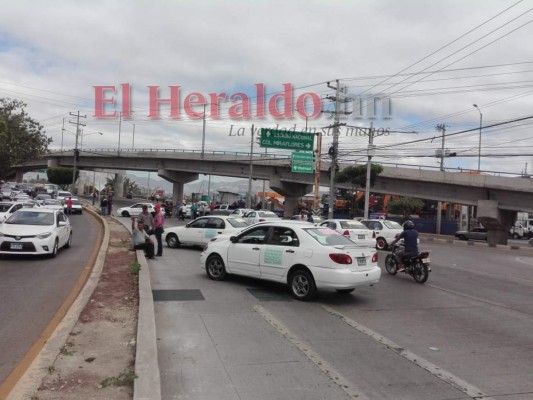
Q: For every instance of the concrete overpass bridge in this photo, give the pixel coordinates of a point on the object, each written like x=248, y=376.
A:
x=497, y=198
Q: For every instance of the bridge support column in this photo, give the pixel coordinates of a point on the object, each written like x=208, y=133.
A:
x=496, y=221
x=178, y=179
x=19, y=177
x=292, y=192
x=52, y=162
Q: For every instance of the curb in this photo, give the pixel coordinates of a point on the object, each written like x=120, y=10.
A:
x=147, y=386
x=456, y=242
x=30, y=381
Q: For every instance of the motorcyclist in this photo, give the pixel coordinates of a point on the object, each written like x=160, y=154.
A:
x=410, y=238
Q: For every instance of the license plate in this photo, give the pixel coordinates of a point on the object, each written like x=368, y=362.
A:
x=361, y=261
x=426, y=261
x=361, y=236
x=16, y=246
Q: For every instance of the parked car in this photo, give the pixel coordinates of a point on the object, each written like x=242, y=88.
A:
x=134, y=209
x=385, y=231
x=280, y=251
x=241, y=212
x=356, y=231
x=473, y=234
x=35, y=231
x=11, y=207
x=254, y=217
x=5, y=192
x=203, y=229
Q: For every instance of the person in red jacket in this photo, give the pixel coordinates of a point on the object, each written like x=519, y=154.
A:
x=68, y=202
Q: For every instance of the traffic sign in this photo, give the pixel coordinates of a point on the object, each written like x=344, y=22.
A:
x=287, y=140
x=302, y=162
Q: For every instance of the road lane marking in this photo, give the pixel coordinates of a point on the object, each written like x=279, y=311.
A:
x=322, y=364
x=468, y=389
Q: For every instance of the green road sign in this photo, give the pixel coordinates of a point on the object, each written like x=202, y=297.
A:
x=302, y=162
x=287, y=140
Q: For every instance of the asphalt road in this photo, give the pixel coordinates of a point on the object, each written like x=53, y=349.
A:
x=469, y=326
x=32, y=289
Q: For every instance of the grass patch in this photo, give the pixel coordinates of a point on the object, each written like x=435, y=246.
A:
x=64, y=351
x=125, y=378
x=51, y=369
x=134, y=268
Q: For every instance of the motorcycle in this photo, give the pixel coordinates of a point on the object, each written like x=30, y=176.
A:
x=416, y=266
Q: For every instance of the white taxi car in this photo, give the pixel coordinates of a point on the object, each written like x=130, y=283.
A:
x=385, y=231
x=253, y=217
x=8, y=208
x=302, y=255
x=35, y=231
x=202, y=230
x=135, y=209
x=356, y=231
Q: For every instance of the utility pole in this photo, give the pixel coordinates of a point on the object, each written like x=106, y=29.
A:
x=76, y=152
x=133, y=141
x=263, y=198
x=119, y=129
x=440, y=128
x=203, y=134
x=62, y=131
x=370, y=153
x=249, y=199
x=334, y=149
x=318, y=152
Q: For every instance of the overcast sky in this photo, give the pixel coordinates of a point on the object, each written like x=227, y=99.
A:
x=53, y=53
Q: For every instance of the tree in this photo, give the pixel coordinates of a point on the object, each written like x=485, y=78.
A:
x=61, y=176
x=131, y=186
x=21, y=137
x=405, y=206
x=355, y=175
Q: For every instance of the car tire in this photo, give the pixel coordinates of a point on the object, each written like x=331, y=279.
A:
x=125, y=213
x=381, y=243
x=215, y=268
x=172, y=241
x=462, y=237
x=55, y=249
x=69, y=242
x=516, y=236
x=302, y=285
x=345, y=291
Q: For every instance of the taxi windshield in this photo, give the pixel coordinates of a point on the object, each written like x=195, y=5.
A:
x=22, y=217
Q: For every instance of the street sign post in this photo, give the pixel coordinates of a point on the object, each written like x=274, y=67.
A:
x=287, y=140
x=302, y=162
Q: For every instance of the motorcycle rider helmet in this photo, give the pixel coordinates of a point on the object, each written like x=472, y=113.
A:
x=408, y=226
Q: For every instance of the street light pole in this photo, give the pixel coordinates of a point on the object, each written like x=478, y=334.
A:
x=479, y=148
x=119, y=129
x=133, y=142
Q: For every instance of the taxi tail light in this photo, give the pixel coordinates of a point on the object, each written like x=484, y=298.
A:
x=375, y=257
x=373, y=235
x=262, y=220
x=346, y=232
x=341, y=258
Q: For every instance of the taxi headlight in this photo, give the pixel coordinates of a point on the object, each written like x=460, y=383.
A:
x=44, y=235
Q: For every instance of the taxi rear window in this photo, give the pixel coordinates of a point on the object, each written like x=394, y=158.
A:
x=328, y=237
x=237, y=222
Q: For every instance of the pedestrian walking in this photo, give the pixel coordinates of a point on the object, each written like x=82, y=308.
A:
x=158, y=228
x=94, y=197
x=68, y=203
x=103, y=206
x=109, y=204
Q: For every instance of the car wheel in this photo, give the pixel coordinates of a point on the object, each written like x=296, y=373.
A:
x=345, y=291
x=515, y=236
x=69, y=242
x=55, y=249
x=302, y=285
x=173, y=241
x=125, y=213
x=462, y=237
x=381, y=244
x=215, y=269
x=390, y=264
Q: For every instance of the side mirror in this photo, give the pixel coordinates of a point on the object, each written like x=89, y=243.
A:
x=233, y=239
x=61, y=223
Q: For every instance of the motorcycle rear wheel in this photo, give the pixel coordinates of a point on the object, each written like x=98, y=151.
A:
x=420, y=272
x=390, y=264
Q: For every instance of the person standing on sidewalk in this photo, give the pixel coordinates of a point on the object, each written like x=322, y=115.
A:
x=141, y=241
x=94, y=196
x=103, y=206
x=158, y=228
x=109, y=204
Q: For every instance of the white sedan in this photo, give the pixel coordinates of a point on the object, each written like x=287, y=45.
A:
x=254, y=217
x=135, y=209
x=52, y=205
x=303, y=256
x=35, y=231
x=385, y=231
x=8, y=208
x=202, y=230
x=356, y=231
